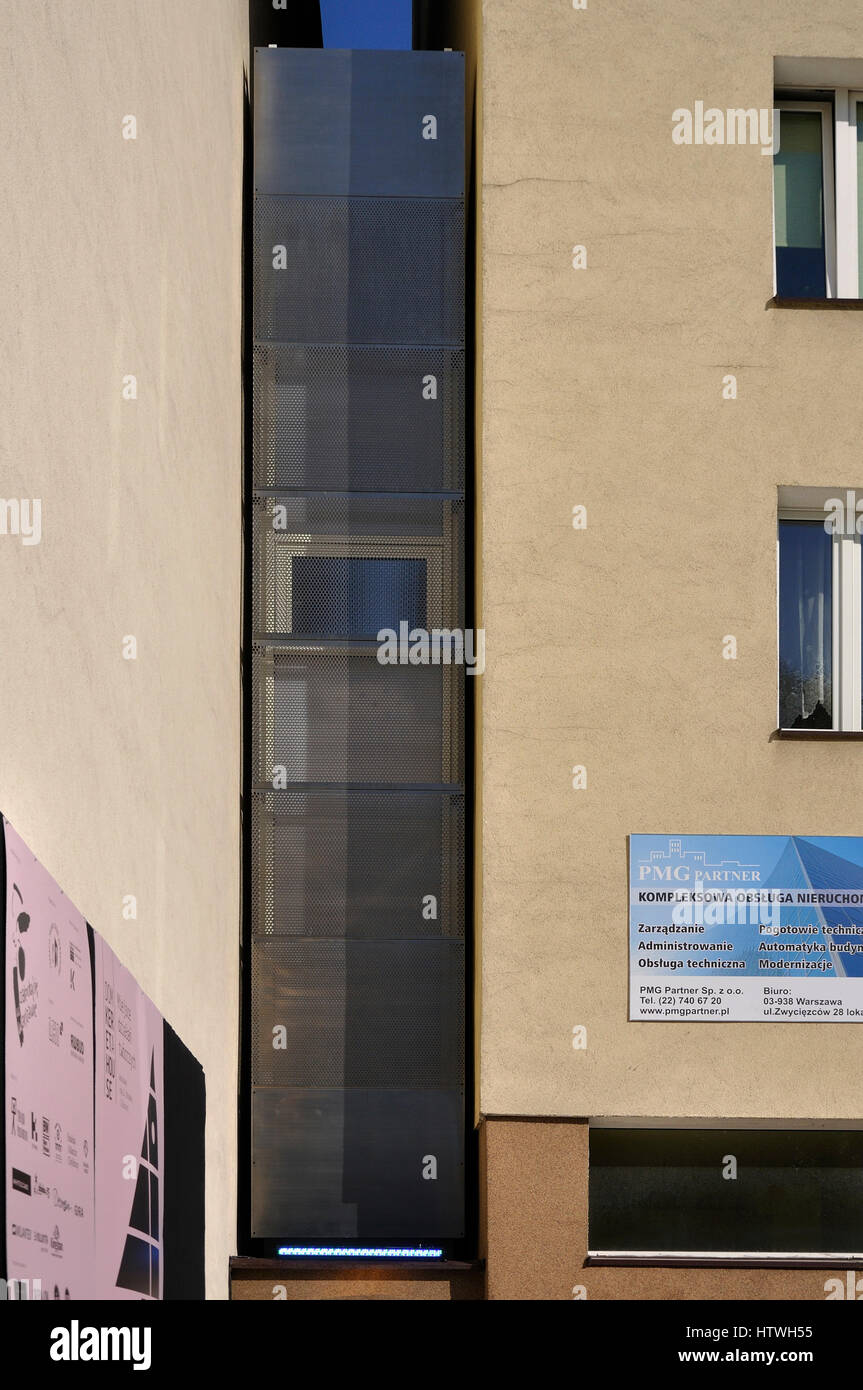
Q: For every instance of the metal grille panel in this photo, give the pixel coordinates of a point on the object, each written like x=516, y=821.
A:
x=329, y=715
x=291, y=514
x=359, y=418
x=358, y=864
x=356, y=524
x=363, y=270
x=332, y=1164
x=350, y=567
x=323, y=120
x=357, y=1013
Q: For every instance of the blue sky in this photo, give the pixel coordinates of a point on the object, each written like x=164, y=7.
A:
x=366, y=23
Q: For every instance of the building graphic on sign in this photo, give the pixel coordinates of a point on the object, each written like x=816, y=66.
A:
x=693, y=863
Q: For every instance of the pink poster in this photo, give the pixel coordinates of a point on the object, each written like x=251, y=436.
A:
x=49, y=1082
x=129, y=1140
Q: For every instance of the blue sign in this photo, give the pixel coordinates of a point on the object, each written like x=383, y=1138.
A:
x=740, y=928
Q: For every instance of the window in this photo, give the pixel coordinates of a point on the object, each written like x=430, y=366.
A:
x=818, y=193
x=820, y=637
x=354, y=596
x=803, y=201
x=805, y=626
x=741, y=1192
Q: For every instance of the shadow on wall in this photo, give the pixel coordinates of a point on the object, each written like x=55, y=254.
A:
x=296, y=24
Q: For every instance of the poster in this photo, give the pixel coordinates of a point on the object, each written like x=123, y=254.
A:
x=129, y=1134
x=746, y=928
x=48, y=1081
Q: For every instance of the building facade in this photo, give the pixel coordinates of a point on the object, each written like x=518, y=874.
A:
x=651, y=411
x=665, y=293
x=122, y=417
x=640, y=361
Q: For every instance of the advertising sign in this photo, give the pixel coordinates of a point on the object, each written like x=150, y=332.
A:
x=129, y=1134
x=48, y=1082
x=741, y=928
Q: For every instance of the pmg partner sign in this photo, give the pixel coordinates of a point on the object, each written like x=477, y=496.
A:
x=746, y=928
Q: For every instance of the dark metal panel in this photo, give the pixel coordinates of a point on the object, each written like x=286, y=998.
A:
x=396, y=109
x=357, y=1013
x=359, y=418
x=302, y=121
x=342, y=122
x=328, y=715
x=332, y=1164
x=394, y=517
x=361, y=270
x=298, y=1156
x=357, y=864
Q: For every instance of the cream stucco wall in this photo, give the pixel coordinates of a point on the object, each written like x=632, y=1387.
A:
x=603, y=387
x=123, y=257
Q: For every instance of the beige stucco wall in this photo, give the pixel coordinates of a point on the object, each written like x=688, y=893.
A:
x=122, y=257
x=603, y=387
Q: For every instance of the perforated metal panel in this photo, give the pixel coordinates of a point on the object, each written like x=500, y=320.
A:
x=357, y=122
x=357, y=1013
x=356, y=956
x=331, y=1164
x=331, y=714
x=351, y=567
x=357, y=515
x=362, y=270
x=358, y=864
x=359, y=418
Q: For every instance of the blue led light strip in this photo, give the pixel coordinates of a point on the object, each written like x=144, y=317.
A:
x=375, y=1252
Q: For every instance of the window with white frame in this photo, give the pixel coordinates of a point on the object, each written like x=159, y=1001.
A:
x=819, y=610
x=818, y=193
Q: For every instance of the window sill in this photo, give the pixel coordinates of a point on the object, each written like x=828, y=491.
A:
x=836, y=735
x=777, y=303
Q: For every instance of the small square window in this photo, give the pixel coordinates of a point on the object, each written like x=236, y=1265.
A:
x=352, y=596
